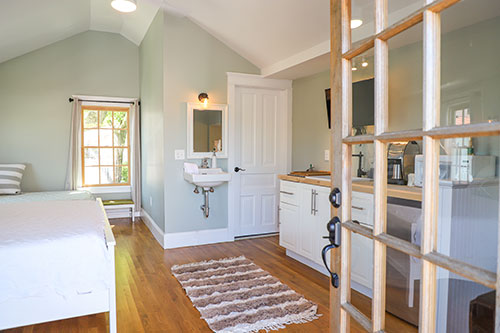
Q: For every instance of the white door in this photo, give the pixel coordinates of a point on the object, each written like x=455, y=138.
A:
x=260, y=154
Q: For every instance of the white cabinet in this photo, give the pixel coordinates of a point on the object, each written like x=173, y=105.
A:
x=304, y=214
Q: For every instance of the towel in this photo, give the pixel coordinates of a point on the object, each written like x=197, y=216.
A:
x=190, y=168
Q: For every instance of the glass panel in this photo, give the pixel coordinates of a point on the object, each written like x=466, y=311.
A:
x=106, y=175
x=120, y=138
x=120, y=119
x=90, y=137
x=363, y=23
x=363, y=98
x=91, y=175
x=105, y=119
x=121, y=156
x=105, y=137
x=468, y=199
x=91, y=156
x=402, y=291
x=207, y=130
x=470, y=74
x=405, y=80
x=106, y=156
x=89, y=119
x=463, y=306
x=400, y=9
x=121, y=174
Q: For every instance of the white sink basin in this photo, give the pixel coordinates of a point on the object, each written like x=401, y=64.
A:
x=207, y=178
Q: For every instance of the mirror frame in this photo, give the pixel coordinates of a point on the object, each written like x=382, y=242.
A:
x=191, y=154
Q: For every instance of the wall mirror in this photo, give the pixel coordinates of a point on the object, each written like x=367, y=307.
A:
x=206, y=130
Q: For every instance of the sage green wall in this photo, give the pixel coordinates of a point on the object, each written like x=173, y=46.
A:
x=469, y=69
x=195, y=62
x=34, y=90
x=152, y=138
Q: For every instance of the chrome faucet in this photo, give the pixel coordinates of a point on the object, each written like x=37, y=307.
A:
x=204, y=163
x=361, y=172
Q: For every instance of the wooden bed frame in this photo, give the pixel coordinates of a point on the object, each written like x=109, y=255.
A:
x=29, y=311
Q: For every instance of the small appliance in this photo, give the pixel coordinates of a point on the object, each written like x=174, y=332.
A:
x=401, y=161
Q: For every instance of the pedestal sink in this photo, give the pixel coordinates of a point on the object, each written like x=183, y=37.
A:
x=207, y=178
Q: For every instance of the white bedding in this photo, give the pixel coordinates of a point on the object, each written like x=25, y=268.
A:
x=52, y=247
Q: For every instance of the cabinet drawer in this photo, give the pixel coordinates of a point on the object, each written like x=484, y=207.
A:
x=289, y=192
x=362, y=207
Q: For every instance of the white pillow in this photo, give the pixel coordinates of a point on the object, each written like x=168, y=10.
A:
x=10, y=178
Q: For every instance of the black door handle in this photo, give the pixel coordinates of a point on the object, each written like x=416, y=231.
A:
x=334, y=233
x=237, y=169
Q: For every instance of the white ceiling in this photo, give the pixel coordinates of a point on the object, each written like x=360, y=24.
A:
x=284, y=38
x=26, y=25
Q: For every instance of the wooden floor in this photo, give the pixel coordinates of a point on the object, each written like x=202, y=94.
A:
x=149, y=298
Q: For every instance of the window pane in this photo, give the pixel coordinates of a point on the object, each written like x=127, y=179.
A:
x=121, y=138
x=121, y=156
x=105, y=119
x=90, y=137
x=106, y=175
x=362, y=12
x=91, y=175
x=106, y=156
x=91, y=156
x=105, y=137
x=90, y=119
x=121, y=174
x=363, y=98
x=120, y=119
x=399, y=9
x=406, y=79
x=463, y=306
x=470, y=74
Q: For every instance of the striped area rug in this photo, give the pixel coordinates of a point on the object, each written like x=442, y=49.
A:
x=235, y=295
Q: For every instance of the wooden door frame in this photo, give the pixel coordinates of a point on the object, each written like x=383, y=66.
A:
x=235, y=80
x=342, y=53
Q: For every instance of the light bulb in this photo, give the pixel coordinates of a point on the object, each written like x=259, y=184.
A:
x=354, y=68
x=124, y=6
x=356, y=23
x=364, y=63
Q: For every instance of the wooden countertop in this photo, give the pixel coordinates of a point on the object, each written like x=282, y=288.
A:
x=396, y=191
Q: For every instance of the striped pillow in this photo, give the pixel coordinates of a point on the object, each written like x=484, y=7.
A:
x=10, y=178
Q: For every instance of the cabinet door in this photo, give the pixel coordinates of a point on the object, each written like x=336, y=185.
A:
x=306, y=223
x=288, y=220
x=362, y=260
x=321, y=220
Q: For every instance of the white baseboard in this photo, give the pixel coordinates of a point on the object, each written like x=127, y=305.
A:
x=194, y=238
x=158, y=234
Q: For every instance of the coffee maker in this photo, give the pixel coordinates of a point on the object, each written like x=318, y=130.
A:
x=401, y=161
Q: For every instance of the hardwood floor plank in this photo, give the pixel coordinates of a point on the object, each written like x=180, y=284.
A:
x=149, y=298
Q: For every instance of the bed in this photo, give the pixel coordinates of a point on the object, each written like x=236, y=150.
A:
x=57, y=258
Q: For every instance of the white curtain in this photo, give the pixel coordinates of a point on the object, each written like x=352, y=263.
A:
x=74, y=157
x=135, y=153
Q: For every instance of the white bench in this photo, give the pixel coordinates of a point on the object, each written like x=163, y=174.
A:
x=110, y=205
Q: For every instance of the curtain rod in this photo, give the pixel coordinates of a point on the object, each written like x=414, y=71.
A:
x=87, y=100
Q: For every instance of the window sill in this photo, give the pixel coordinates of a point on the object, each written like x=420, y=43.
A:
x=106, y=189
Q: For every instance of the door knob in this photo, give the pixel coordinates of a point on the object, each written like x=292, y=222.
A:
x=237, y=169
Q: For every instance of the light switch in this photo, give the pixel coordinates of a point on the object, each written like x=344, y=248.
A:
x=180, y=154
x=327, y=155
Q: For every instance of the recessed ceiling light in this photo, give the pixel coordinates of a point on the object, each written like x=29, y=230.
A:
x=356, y=23
x=125, y=6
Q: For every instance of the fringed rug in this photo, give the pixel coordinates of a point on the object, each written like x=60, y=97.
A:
x=235, y=295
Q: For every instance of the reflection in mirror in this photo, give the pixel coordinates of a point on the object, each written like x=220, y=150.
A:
x=207, y=135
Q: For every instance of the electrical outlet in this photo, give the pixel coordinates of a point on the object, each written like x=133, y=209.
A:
x=180, y=154
x=327, y=154
x=150, y=201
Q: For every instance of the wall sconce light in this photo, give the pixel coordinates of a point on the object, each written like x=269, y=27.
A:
x=203, y=98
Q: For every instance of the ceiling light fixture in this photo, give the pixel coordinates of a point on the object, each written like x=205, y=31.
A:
x=203, y=97
x=364, y=63
x=356, y=23
x=124, y=6
x=354, y=68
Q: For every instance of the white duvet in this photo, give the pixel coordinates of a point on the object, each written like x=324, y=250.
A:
x=52, y=247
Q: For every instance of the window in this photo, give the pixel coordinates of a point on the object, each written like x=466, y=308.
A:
x=105, y=146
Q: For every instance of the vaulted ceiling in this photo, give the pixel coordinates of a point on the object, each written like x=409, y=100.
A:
x=284, y=38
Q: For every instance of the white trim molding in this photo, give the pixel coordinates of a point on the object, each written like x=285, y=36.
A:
x=106, y=189
x=253, y=81
x=194, y=238
x=158, y=234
